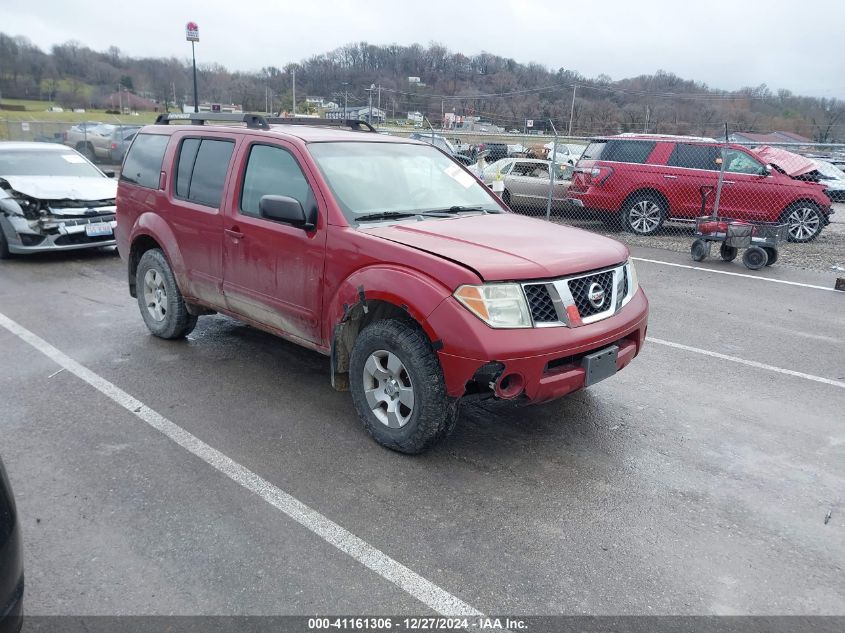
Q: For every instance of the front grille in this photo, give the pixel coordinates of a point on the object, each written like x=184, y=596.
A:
x=81, y=238
x=540, y=302
x=91, y=219
x=580, y=289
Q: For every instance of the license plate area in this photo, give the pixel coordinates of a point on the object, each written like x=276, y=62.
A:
x=98, y=230
x=599, y=365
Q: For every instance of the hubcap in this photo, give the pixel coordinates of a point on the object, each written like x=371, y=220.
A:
x=644, y=217
x=803, y=223
x=155, y=294
x=388, y=389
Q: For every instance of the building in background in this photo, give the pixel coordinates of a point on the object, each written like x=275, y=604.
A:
x=768, y=139
x=361, y=113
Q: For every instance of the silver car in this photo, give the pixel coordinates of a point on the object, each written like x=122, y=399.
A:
x=53, y=198
x=527, y=182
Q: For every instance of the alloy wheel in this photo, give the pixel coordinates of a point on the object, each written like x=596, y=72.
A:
x=155, y=294
x=803, y=223
x=388, y=389
x=644, y=216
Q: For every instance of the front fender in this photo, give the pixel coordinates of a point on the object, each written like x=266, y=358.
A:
x=414, y=292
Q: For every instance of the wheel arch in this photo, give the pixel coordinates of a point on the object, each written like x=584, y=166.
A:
x=645, y=191
x=151, y=231
x=371, y=295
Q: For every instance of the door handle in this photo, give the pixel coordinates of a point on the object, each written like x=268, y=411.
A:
x=728, y=182
x=234, y=234
x=670, y=177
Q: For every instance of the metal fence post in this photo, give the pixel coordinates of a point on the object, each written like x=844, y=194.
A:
x=551, y=173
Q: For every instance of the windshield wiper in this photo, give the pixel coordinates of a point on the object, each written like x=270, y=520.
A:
x=385, y=215
x=459, y=209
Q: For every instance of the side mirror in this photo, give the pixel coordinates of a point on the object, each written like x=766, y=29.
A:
x=284, y=209
x=109, y=173
x=767, y=170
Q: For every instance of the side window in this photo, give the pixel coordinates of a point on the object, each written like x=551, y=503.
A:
x=694, y=156
x=628, y=151
x=272, y=171
x=187, y=157
x=737, y=162
x=202, y=168
x=143, y=163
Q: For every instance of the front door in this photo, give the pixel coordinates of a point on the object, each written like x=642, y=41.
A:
x=272, y=271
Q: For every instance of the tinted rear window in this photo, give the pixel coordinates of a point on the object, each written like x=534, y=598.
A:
x=201, y=173
x=694, y=156
x=628, y=151
x=143, y=163
x=594, y=150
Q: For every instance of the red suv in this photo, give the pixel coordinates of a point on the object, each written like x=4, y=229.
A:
x=641, y=181
x=382, y=253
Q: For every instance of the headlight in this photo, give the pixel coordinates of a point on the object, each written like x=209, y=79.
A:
x=633, y=282
x=498, y=305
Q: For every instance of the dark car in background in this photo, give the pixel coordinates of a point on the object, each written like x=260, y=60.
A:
x=11, y=560
x=443, y=144
x=112, y=146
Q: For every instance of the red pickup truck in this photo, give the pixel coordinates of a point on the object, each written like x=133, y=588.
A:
x=384, y=254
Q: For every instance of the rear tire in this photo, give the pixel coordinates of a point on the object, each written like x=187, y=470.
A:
x=772, y=253
x=644, y=214
x=728, y=253
x=754, y=258
x=398, y=387
x=699, y=250
x=159, y=298
x=87, y=150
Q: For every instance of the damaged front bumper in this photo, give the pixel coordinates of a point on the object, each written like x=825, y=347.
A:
x=59, y=233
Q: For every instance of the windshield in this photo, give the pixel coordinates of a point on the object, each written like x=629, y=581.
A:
x=46, y=163
x=829, y=170
x=396, y=177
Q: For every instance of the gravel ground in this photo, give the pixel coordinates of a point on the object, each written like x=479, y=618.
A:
x=825, y=253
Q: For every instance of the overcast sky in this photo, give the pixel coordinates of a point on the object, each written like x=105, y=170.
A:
x=725, y=43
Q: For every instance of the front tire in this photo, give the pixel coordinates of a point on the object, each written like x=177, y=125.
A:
x=159, y=299
x=804, y=220
x=644, y=214
x=398, y=387
x=5, y=253
x=754, y=258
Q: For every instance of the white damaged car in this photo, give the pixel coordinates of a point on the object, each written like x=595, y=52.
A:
x=52, y=198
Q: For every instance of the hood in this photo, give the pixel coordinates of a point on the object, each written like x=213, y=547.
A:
x=792, y=164
x=508, y=246
x=63, y=187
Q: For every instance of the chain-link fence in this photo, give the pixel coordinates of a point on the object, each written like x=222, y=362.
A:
x=645, y=190
x=100, y=142
x=672, y=191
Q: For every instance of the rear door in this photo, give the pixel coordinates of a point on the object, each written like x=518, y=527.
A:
x=528, y=183
x=201, y=174
x=273, y=271
x=691, y=172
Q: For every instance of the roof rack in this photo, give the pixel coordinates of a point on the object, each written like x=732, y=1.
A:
x=258, y=121
x=355, y=124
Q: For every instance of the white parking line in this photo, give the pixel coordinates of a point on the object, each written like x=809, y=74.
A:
x=727, y=272
x=750, y=363
x=409, y=581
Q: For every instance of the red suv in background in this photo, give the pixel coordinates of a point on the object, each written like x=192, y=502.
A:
x=641, y=181
x=381, y=252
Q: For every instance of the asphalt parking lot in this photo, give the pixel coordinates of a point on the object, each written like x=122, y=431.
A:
x=696, y=481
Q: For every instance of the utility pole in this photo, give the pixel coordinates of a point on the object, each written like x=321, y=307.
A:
x=647, y=116
x=442, y=114
x=345, y=100
x=370, y=115
x=294, y=92
x=379, y=101
x=572, y=108
x=192, y=34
